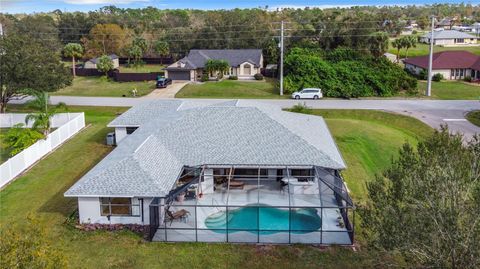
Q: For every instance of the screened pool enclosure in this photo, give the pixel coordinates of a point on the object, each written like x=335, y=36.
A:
x=255, y=204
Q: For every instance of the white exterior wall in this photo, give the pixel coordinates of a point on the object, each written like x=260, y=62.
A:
x=445, y=72
x=89, y=212
x=120, y=133
x=116, y=63
x=89, y=65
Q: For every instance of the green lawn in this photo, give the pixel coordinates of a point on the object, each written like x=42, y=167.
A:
x=146, y=68
x=100, y=86
x=230, y=89
x=474, y=117
x=451, y=90
x=367, y=140
x=423, y=49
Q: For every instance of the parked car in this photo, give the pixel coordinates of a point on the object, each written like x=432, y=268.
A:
x=308, y=93
x=163, y=82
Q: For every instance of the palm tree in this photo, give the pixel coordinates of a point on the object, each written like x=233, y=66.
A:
x=397, y=43
x=409, y=42
x=73, y=50
x=41, y=119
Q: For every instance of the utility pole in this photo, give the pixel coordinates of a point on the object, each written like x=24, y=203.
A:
x=281, y=59
x=430, y=60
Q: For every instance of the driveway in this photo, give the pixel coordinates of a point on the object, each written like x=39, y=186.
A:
x=432, y=112
x=168, y=92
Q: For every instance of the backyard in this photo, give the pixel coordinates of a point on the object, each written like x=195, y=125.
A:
x=422, y=49
x=367, y=139
x=101, y=86
x=231, y=89
x=146, y=68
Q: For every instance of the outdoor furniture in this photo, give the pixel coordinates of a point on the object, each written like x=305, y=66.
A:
x=181, y=214
x=236, y=184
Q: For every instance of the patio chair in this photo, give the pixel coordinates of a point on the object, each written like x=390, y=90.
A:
x=236, y=184
x=181, y=214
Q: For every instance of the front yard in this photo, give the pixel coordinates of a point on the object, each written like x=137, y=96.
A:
x=231, y=89
x=367, y=139
x=451, y=90
x=100, y=86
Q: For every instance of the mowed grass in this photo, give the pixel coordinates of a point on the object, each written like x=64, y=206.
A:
x=451, y=90
x=146, y=68
x=367, y=139
x=100, y=86
x=424, y=49
x=474, y=117
x=231, y=89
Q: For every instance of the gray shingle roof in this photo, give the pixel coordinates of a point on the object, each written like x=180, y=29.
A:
x=148, y=162
x=235, y=57
x=448, y=34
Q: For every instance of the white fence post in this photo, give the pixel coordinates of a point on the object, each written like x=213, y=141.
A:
x=73, y=124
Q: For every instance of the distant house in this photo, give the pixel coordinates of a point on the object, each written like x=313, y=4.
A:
x=451, y=64
x=244, y=63
x=92, y=63
x=445, y=23
x=449, y=38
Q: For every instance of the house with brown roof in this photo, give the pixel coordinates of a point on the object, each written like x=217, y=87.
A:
x=451, y=64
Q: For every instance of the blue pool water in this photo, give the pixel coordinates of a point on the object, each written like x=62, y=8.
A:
x=266, y=219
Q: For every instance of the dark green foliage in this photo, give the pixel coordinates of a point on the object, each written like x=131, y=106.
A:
x=19, y=138
x=437, y=77
x=427, y=204
x=423, y=74
x=258, y=76
x=301, y=108
x=204, y=77
x=344, y=73
x=467, y=78
x=233, y=78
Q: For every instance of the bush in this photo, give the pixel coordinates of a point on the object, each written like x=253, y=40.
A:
x=19, y=138
x=258, y=76
x=301, y=108
x=468, y=79
x=233, y=78
x=422, y=74
x=204, y=78
x=437, y=77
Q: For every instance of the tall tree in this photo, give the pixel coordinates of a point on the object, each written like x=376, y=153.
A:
x=162, y=49
x=427, y=204
x=378, y=43
x=104, y=39
x=73, y=50
x=408, y=42
x=26, y=64
x=398, y=44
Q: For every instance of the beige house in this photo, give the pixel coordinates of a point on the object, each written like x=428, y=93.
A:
x=449, y=38
x=92, y=63
x=244, y=63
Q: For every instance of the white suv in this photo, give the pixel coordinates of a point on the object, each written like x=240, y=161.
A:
x=308, y=93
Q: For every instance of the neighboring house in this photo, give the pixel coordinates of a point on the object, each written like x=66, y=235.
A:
x=391, y=57
x=92, y=63
x=445, y=23
x=449, y=38
x=451, y=64
x=244, y=63
x=235, y=171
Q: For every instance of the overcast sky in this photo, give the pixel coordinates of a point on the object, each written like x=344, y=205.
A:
x=30, y=6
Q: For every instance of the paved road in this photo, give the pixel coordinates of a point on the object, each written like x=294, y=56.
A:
x=432, y=112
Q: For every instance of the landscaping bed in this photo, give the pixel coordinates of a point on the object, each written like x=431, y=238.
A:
x=367, y=140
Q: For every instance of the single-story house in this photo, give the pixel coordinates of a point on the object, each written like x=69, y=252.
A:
x=244, y=63
x=234, y=171
x=449, y=38
x=451, y=64
x=92, y=63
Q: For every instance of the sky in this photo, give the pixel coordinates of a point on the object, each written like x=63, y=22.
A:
x=31, y=6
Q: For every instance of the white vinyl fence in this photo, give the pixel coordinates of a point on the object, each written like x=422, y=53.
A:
x=68, y=125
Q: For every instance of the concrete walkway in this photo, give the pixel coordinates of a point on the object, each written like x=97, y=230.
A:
x=432, y=112
x=168, y=92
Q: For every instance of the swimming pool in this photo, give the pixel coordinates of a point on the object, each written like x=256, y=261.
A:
x=268, y=220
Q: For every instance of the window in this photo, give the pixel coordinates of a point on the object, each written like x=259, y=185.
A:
x=452, y=72
x=461, y=72
x=130, y=130
x=459, y=40
x=118, y=207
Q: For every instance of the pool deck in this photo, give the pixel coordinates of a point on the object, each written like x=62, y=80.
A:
x=200, y=209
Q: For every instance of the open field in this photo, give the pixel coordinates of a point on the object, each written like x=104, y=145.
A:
x=423, y=49
x=451, y=90
x=474, y=117
x=100, y=86
x=146, y=68
x=367, y=139
x=231, y=89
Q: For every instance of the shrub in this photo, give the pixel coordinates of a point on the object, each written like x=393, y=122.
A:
x=437, y=77
x=258, y=76
x=468, y=79
x=422, y=74
x=233, y=78
x=19, y=138
x=204, y=78
x=301, y=108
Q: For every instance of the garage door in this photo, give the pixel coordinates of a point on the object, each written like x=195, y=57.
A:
x=179, y=75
